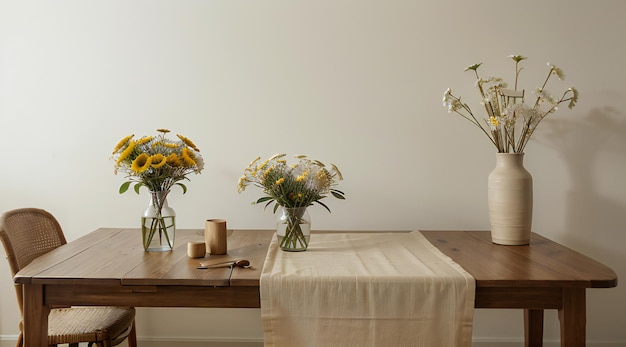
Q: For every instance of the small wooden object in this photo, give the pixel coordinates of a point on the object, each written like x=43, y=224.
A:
x=196, y=249
x=215, y=236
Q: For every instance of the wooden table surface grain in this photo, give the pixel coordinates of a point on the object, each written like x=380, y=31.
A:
x=110, y=267
x=543, y=263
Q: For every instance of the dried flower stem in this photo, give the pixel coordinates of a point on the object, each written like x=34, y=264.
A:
x=504, y=111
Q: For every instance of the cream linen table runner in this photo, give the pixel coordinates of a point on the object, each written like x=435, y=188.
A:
x=365, y=289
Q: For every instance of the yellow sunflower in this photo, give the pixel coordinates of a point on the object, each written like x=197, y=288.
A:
x=173, y=160
x=127, y=152
x=188, y=142
x=158, y=160
x=141, y=163
x=171, y=145
x=143, y=140
x=188, y=157
x=122, y=142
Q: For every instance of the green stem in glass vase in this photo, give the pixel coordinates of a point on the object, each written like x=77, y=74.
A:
x=294, y=236
x=158, y=222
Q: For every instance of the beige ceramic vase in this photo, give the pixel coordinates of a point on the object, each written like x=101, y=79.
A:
x=510, y=195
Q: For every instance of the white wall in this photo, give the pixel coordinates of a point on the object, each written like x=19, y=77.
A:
x=354, y=82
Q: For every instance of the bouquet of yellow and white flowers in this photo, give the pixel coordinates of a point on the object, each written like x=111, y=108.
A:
x=294, y=187
x=299, y=185
x=506, y=108
x=156, y=162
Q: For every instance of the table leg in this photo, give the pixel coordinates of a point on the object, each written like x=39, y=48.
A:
x=35, y=316
x=533, y=328
x=573, y=317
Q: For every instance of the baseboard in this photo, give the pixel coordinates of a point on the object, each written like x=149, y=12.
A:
x=9, y=341
x=520, y=343
x=177, y=342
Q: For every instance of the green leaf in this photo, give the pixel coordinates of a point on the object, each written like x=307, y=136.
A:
x=338, y=194
x=182, y=186
x=326, y=207
x=275, y=207
x=137, y=186
x=124, y=187
x=263, y=199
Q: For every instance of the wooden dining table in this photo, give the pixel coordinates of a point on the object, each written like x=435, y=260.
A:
x=109, y=267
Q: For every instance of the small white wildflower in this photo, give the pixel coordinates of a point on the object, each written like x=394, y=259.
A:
x=550, y=97
x=446, y=95
x=544, y=95
x=574, y=98
x=450, y=102
x=454, y=106
x=557, y=71
x=538, y=91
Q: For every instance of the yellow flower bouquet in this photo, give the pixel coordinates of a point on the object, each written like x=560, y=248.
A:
x=157, y=163
x=293, y=187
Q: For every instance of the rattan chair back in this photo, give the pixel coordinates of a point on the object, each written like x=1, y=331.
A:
x=28, y=233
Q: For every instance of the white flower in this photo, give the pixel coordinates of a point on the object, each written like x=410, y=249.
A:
x=545, y=96
x=574, y=99
x=450, y=102
x=446, y=97
x=557, y=71
x=538, y=91
x=505, y=111
x=199, y=164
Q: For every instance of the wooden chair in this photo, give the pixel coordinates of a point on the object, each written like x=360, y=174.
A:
x=28, y=233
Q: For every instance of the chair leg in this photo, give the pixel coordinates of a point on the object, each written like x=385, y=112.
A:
x=20, y=340
x=132, y=336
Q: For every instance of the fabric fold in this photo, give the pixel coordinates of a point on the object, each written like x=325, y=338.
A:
x=365, y=289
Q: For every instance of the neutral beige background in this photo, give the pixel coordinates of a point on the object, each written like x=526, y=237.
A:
x=354, y=82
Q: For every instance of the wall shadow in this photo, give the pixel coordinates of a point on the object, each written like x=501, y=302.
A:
x=588, y=147
x=593, y=149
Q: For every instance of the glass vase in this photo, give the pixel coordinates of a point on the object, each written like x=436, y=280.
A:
x=158, y=225
x=293, y=229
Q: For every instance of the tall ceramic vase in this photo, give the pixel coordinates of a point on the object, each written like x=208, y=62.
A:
x=510, y=195
x=158, y=225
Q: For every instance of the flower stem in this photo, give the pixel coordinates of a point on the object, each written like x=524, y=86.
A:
x=294, y=238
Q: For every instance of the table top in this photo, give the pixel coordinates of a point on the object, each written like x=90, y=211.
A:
x=114, y=256
x=109, y=267
x=543, y=263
